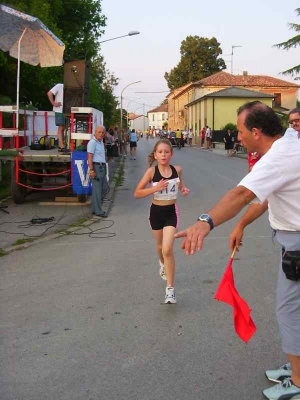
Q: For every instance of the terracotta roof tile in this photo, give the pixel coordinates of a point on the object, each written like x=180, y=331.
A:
x=162, y=108
x=225, y=79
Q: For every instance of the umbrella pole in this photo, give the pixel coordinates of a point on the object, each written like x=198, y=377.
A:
x=18, y=79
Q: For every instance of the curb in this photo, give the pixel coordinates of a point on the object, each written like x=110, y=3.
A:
x=106, y=207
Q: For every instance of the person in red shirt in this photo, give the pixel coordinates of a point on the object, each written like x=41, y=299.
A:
x=202, y=137
x=252, y=160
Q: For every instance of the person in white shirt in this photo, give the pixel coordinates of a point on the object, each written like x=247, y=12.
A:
x=208, y=136
x=291, y=133
x=273, y=184
x=294, y=119
x=190, y=136
x=56, y=97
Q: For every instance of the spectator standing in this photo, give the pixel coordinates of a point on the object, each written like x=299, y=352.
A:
x=124, y=142
x=110, y=140
x=97, y=166
x=202, y=137
x=190, y=137
x=229, y=142
x=294, y=119
x=56, y=97
x=208, y=135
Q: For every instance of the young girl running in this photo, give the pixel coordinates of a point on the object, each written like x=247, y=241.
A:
x=165, y=180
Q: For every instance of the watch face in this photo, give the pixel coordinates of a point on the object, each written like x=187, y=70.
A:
x=204, y=216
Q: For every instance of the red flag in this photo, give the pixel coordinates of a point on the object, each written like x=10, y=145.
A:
x=243, y=323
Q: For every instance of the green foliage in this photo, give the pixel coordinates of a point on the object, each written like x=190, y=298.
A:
x=290, y=43
x=79, y=24
x=230, y=126
x=200, y=57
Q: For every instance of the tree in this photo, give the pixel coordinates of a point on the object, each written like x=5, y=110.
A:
x=229, y=125
x=293, y=42
x=79, y=24
x=199, y=59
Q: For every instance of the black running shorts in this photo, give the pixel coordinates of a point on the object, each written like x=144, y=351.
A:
x=161, y=216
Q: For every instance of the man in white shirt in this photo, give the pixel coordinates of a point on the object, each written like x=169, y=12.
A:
x=273, y=184
x=56, y=97
x=208, y=136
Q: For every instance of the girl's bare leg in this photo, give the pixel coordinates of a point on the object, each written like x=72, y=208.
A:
x=168, y=254
x=158, y=235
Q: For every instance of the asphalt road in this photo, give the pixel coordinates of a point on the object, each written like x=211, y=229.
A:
x=83, y=317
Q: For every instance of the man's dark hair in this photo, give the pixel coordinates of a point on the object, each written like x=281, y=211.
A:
x=294, y=111
x=262, y=117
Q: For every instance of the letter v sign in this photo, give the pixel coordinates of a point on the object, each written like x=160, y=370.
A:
x=84, y=178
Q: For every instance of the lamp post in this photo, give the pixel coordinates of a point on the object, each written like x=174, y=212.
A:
x=233, y=47
x=137, y=109
x=121, y=121
x=131, y=33
x=128, y=108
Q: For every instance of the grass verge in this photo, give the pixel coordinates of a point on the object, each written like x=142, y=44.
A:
x=119, y=176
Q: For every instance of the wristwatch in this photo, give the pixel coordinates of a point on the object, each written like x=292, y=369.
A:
x=91, y=170
x=206, y=218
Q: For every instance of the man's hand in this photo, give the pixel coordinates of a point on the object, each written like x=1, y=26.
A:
x=57, y=104
x=235, y=238
x=193, y=237
x=92, y=173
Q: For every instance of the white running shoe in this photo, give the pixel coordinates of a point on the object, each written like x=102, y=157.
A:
x=162, y=271
x=278, y=375
x=170, y=296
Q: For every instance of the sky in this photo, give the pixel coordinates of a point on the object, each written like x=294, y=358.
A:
x=163, y=24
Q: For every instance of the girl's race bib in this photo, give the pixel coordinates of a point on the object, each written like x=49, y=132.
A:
x=170, y=192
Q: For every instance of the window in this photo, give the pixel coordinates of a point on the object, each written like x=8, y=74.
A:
x=153, y=117
x=163, y=117
x=277, y=99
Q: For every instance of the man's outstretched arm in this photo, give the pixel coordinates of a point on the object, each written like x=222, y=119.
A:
x=228, y=207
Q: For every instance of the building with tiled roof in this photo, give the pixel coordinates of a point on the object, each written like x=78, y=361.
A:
x=219, y=108
x=138, y=122
x=284, y=93
x=158, y=116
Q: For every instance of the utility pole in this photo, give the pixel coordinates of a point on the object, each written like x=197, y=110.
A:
x=233, y=47
x=144, y=117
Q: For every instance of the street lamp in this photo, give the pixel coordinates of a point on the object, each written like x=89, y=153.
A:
x=131, y=33
x=233, y=47
x=135, y=112
x=121, y=121
x=128, y=108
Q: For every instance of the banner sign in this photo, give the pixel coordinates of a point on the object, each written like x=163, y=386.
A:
x=82, y=183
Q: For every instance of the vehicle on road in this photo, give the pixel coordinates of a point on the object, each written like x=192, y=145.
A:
x=172, y=137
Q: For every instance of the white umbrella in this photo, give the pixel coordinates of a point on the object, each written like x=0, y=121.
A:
x=29, y=40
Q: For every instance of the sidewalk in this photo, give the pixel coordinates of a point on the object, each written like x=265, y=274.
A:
x=40, y=219
x=222, y=152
